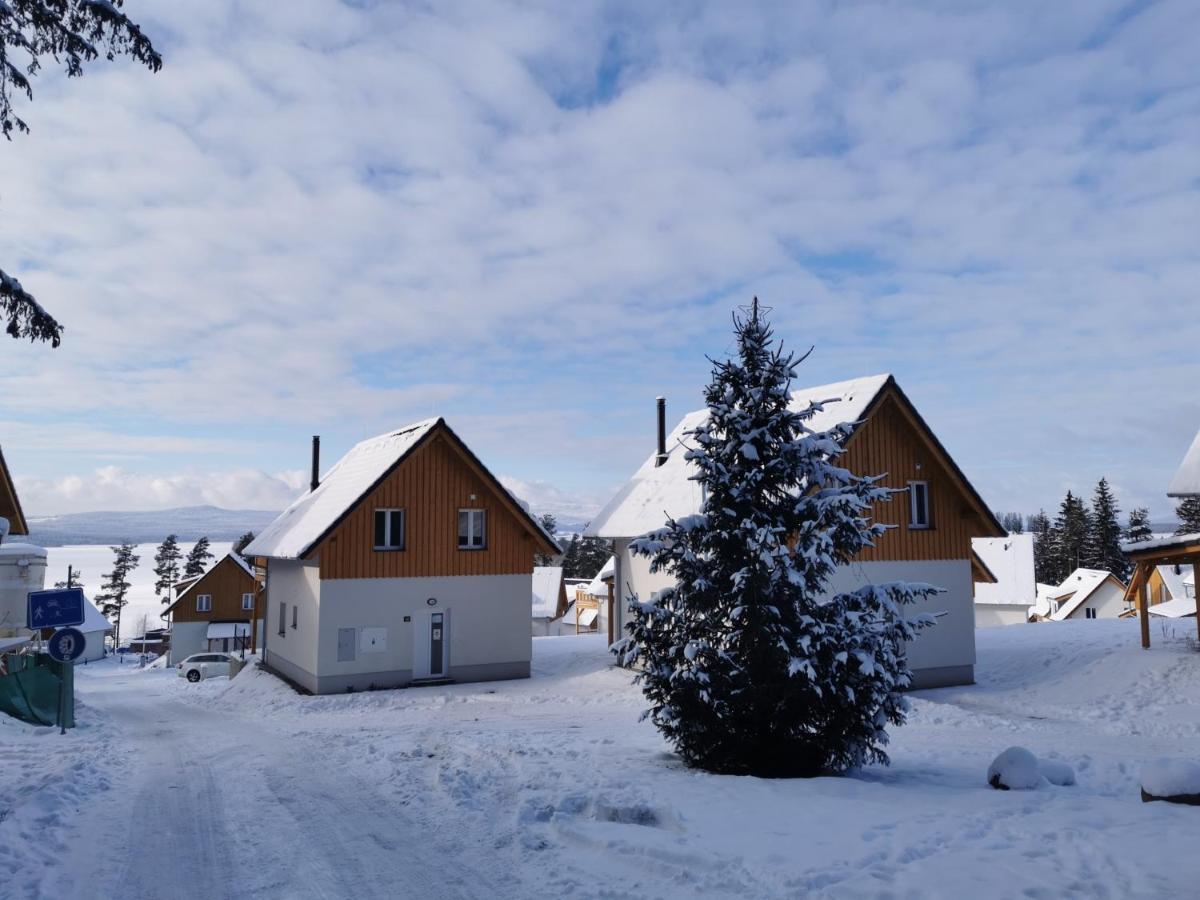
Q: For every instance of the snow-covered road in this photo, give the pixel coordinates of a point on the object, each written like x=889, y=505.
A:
x=551, y=787
x=216, y=804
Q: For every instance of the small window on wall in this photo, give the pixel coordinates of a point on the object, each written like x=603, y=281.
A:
x=472, y=529
x=1089, y=613
x=918, y=504
x=295, y=612
x=204, y=603
x=247, y=601
x=282, y=619
x=389, y=529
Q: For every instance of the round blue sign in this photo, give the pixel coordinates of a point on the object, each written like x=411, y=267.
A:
x=67, y=644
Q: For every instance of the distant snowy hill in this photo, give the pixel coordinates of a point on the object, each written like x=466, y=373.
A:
x=187, y=523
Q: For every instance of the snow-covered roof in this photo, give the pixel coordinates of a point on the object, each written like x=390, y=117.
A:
x=1079, y=585
x=1010, y=560
x=303, y=524
x=1169, y=542
x=1045, y=593
x=598, y=586
x=656, y=493
x=547, y=586
x=1175, y=608
x=93, y=619
x=1174, y=576
x=1186, y=482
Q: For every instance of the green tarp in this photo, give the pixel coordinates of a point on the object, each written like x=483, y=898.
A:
x=30, y=690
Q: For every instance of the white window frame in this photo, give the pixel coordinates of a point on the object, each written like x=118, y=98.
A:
x=388, y=545
x=248, y=601
x=912, y=507
x=204, y=603
x=473, y=514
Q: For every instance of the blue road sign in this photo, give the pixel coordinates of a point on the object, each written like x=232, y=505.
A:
x=55, y=609
x=67, y=644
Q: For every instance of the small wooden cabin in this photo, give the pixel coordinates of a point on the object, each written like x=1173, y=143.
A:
x=217, y=611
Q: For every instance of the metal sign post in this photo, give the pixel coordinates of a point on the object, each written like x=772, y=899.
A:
x=66, y=646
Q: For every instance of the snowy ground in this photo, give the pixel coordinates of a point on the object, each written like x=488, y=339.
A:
x=551, y=788
x=92, y=561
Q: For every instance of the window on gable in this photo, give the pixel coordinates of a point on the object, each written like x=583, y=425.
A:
x=472, y=529
x=247, y=601
x=1089, y=613
x=918, y=504
x=204, y=603
x=389, y=529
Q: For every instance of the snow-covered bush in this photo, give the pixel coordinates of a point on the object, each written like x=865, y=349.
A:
x=748, y=665
x=1057, y=772
x=1016, y=769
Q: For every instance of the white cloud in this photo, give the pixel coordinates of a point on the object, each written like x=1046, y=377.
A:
x=113, y=488
x=339, y=216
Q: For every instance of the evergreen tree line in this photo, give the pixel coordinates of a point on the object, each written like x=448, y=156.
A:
x=171, y=566
x=1089, y=535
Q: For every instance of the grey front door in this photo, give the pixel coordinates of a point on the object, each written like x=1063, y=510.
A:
x=437, y=640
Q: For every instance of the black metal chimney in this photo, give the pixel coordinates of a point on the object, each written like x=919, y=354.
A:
x=661, y=457
x=316, y=462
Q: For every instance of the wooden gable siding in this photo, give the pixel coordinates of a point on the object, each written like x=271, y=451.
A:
x=10, y=503
x=431, y=485
x=226, y=582
x=891, y=442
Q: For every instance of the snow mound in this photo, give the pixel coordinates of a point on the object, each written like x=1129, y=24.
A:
x=1171, y=778
x=1015, y=769
x=1057, y=772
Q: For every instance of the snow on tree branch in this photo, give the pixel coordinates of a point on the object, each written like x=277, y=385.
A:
x=25, y=315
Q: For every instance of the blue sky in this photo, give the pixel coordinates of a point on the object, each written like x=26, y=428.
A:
x=335, y=218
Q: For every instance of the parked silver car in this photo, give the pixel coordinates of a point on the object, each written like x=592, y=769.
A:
x=213, y=664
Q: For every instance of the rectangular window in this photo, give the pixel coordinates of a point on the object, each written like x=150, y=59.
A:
x=247, y=601
x=204, y=603
x=295, y=612
x=472, y=529
x=389, y=529
x=1090, y=613
x=282, y=619
x=918, y=504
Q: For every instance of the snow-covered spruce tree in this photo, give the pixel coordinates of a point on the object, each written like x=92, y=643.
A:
x=1188, y=511
x=749, y=666
x=166, y=567
x=197, y=558
x=1139, y=528
x=1105, y=538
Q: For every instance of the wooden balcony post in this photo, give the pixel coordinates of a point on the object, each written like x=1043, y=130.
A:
x=1144, y=608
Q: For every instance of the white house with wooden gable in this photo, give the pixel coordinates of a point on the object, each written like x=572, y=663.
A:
x=931, y=523
x=408, y=563
x=1088, y=594
x=1009, y=597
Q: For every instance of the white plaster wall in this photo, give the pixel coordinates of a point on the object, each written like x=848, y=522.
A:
x=632, y=576
x=1108, y=600
x=991, y=615
x=951, y=642
x=187, y=638
x=93, y=646
x=489, y=620
x=298, y=584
